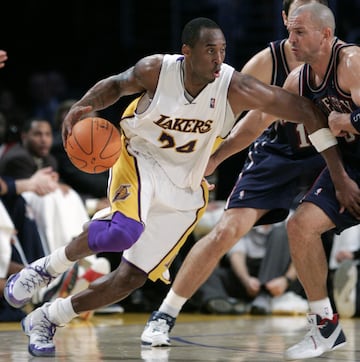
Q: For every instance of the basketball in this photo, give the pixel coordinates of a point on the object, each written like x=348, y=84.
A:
x=94, y=145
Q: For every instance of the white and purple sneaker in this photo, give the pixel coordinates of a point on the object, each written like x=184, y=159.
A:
x=40, y=331
x=20, y=287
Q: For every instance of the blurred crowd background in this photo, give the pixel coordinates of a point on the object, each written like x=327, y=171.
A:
x=58, y=49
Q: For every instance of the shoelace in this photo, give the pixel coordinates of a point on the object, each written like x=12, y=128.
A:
x=46, y=330
x=38, y=277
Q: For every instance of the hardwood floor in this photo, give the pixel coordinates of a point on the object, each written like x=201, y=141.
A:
x=195, y=337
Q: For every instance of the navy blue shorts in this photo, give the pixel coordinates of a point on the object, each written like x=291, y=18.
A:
x=322, y=194
x=274, y=182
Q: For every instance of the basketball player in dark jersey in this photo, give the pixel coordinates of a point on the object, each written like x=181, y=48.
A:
x=331, y=79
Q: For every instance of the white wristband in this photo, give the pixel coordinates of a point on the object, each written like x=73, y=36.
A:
x=322, y=139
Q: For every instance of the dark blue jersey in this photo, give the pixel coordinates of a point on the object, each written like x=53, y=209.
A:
x=328, y=96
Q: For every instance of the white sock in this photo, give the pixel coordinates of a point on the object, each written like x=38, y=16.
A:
x=61, y=311
x=172, y=304
x=322, y=308
x=58, y=262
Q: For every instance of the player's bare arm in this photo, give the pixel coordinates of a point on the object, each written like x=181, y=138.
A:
x=139, y=78
x=241, y=136
x=260, y=66
x=269, y=103
x=255, y=122
x=348, y=192
x=246, y=92
x=342, y=124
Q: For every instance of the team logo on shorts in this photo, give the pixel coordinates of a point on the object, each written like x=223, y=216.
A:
x=241, y=194
x=318, y=191
x=122, y=193
x=212, y=103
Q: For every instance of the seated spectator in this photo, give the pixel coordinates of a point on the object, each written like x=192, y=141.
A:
x=60, y=214
x=41, y=183
x=19, y=243
x=256, y=276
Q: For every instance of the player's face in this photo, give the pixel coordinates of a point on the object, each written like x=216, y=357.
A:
x=206, y=57
x=305, y=38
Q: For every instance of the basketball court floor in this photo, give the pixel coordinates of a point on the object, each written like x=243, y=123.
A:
x=195, y=337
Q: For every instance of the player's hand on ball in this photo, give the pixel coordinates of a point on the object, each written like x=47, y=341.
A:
x=75, y=114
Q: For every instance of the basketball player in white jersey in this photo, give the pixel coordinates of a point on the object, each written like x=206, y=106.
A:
x=156, y=189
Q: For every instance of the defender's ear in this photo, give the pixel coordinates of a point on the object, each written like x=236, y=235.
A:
x=285, y=19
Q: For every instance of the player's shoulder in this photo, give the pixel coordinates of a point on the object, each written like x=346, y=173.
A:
x=349, y=55
x=260, y=65
x=150, y=62
x=260, y=58
x=293, y=79
x=349, y=49
x=148, y=68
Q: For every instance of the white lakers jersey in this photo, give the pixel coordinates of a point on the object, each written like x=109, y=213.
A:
x=177, y=133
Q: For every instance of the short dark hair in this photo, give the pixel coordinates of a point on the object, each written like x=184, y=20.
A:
x=27, y=125
x=191, y=31
x=287, y=4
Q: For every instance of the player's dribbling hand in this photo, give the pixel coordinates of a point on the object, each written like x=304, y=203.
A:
x=75, y=114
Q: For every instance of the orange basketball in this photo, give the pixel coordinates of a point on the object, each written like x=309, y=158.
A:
x=94, y=145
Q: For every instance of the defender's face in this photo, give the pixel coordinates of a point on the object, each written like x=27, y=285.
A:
x=305, y=38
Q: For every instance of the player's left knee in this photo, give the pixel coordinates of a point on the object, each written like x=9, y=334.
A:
x=114, y=235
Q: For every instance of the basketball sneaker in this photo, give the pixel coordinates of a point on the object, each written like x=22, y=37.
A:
x=40, y=331
x=156, y=331
x=324, y=335
x=20, y=287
